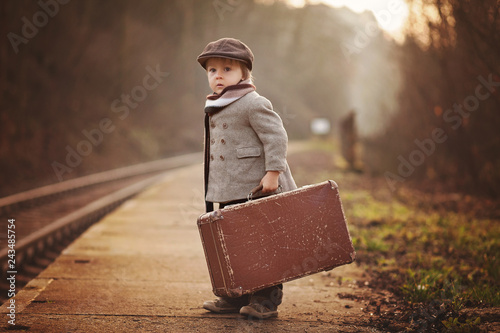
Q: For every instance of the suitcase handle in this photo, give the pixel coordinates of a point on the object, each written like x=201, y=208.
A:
x=254, y=191
x=259, y=188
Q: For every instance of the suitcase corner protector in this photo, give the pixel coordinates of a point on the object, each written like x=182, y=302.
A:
x=210, y=217
x=215, y=216
x=236, y=292
x=333, y=184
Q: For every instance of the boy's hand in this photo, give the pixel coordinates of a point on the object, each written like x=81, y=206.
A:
x=270, y=181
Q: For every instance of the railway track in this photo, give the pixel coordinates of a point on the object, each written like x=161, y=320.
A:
x=37, y=225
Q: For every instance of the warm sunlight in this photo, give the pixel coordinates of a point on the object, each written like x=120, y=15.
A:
x=390, y=14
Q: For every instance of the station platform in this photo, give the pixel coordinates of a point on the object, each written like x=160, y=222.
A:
x=142, y=269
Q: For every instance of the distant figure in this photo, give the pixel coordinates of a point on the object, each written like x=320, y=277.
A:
x=245, y=145
x=348, y=138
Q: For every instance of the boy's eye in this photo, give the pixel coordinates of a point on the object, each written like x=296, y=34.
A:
x=227, y=69
x=211, y=70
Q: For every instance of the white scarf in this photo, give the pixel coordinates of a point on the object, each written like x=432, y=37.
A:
x=229, y=95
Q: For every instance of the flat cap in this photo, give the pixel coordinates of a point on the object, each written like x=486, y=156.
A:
x=229, y=48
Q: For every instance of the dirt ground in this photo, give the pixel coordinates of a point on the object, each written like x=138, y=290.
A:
x=378, y=290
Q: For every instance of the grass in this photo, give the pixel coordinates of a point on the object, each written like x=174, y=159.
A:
x=448, y=257
x=430, y=259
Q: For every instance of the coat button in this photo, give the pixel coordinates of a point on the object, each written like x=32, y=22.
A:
x=223, y=141
x=212, y=141
x=224, y=126
x=212, y=124
x=221, y=158
x=211, y=157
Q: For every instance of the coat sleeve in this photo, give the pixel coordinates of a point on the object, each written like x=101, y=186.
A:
x=269, y=128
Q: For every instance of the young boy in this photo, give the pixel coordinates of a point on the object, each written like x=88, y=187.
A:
x=245, y=146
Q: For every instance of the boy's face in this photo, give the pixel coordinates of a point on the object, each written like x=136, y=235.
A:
x=222, y=73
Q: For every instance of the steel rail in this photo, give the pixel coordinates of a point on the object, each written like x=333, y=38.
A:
x=26, y=248
x=83, y=217
x=9, y=203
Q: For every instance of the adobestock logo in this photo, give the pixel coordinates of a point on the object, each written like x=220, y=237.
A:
x=453, y=116
x=30, y=29
x=223, y=6
x=121, y=106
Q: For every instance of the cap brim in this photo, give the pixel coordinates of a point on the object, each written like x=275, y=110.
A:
x=203, y=59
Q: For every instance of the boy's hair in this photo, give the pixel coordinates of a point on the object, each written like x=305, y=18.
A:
x=247, y=73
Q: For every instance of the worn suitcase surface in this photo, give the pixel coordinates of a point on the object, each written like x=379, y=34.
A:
x=275, y=239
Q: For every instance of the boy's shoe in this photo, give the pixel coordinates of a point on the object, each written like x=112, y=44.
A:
x=257, y=310
x=221, y=306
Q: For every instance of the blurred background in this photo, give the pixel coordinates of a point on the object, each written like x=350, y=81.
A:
x=88, y=86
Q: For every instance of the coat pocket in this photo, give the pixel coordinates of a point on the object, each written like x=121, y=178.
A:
x=248, y=152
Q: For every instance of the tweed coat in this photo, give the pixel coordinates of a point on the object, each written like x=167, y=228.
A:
x=247, y=138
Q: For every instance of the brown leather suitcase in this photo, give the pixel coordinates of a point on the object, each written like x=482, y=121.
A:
x=268, y=241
